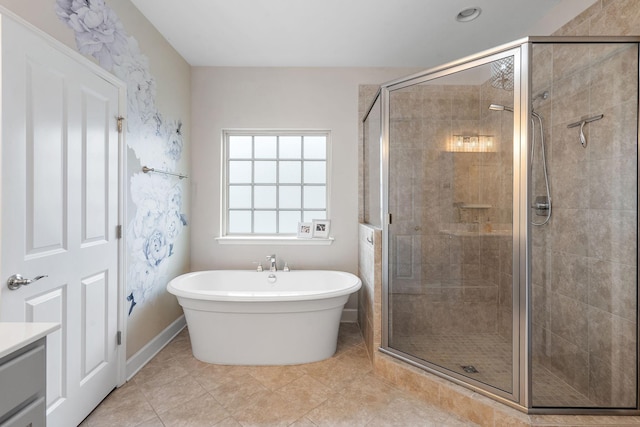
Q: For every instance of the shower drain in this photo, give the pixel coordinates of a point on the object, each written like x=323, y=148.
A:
x=469, y=369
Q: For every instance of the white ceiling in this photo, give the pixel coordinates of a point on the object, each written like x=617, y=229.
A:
x=347, y=33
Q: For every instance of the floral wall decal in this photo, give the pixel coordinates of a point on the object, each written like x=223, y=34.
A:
x=156, y=142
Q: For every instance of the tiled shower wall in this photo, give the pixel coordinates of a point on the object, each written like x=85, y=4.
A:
x=603, y=285
x=584, y=260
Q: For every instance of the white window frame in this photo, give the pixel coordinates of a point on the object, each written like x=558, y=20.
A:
x=260, y=238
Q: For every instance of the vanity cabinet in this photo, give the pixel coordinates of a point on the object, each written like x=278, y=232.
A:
x=23, y=361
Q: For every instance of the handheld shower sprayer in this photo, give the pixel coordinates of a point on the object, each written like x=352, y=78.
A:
x=542, y=203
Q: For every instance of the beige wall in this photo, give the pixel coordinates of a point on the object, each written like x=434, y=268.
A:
x=307, y=98
x=172, y=76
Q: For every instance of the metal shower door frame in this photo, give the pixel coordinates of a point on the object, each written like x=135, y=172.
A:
x=511, y=50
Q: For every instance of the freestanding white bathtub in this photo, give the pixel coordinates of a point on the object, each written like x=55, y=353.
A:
x=240, y=317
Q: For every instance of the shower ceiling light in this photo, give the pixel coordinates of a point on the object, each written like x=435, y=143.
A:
x=471, y=144
x=468, y=14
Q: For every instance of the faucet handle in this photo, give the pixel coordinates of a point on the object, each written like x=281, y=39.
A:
x=286, y=267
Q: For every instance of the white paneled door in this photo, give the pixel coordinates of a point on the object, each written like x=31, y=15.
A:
x=60, y=209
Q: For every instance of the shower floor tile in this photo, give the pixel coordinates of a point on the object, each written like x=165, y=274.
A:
x=491, y=356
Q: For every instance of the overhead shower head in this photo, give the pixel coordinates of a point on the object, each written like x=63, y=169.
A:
x=499, y=107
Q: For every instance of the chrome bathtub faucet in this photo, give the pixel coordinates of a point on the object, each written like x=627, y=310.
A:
x=272, y=263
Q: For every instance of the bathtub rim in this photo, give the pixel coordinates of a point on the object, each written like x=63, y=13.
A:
x=353, y=284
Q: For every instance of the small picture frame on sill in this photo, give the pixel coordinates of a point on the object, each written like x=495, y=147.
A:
x=321, y=228
x=305, y=230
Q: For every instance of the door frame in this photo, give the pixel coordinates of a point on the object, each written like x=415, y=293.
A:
x=122, y=160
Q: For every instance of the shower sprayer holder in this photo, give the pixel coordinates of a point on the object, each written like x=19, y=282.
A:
x=541, y=205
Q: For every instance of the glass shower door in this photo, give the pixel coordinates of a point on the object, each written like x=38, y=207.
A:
x=450, y=197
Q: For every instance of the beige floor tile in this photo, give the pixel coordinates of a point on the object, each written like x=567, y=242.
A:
x=305, y=392
x=238, y=393
x=338, y=411
x=338, y=372
x=322, y=371
x=128, y=393
x=175, y=389
x=269, y=409
x=275, y=377
x=128, y=413
x=348, y=336
x=303, y=422
x=168, y=396
x=406, y=411
x=229, y=422
x=457, y=422
x=213, y=376
x=373, y=386
x=203, y=411
x=177, y=346
x=155, y=422
x=360, y=402
x=189, y=362
x=157, y=373
x=358, y=356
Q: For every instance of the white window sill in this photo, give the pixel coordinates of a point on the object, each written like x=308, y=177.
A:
x=272, y=240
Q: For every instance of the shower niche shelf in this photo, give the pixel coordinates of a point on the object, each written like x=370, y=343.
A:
x=474, y=206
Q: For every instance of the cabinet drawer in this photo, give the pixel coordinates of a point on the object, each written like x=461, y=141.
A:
x=21, y=378
x=31, y=416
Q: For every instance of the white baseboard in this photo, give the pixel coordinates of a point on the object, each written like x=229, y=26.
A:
x=153, y=347
x=349, y=315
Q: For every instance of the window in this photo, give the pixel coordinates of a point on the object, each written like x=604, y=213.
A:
x=273, y=180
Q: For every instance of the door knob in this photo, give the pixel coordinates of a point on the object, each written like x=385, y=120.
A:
x=14, y=282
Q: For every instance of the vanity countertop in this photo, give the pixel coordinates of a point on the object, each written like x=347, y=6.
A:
x=15, y=335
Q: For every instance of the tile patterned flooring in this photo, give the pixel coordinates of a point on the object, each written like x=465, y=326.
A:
x=175, y=389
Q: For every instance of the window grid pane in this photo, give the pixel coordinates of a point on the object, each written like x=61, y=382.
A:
x=266, y=161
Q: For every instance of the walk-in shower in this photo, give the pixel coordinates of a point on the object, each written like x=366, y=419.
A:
x=482, y=284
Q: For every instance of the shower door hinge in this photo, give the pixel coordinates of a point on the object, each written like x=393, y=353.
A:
x=118, y=232
x=119, y=338
x=389, y=219
x=120, y=120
